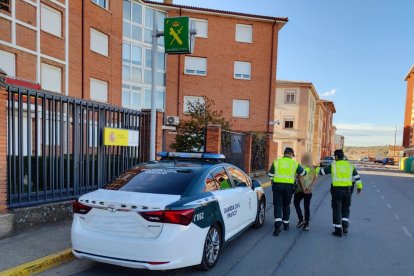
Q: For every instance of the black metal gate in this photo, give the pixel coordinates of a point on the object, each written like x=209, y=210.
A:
x=55, y=146
x=258, y=156
x=232, y=146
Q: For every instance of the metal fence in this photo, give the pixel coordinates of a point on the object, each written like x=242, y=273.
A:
x=258, y=156
x=232, y=146
x=55, y=146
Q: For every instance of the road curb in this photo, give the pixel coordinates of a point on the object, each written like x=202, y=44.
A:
x=40, y=265
x=267, y=184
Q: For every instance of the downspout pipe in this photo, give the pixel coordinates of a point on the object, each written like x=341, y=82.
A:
x=271, y=78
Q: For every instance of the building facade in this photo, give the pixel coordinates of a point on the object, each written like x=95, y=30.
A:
x=408, y=140
x=100, y=50
x=339, y=141
x=233, y=63
x=296, y=118
x=327, y=112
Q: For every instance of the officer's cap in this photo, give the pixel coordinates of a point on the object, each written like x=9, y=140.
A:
x=289, y=150
x=339, y=153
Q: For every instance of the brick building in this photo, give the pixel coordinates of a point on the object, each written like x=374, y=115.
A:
x=94, y=49
x=408, y=140
x=326, y=109
x=295, y=114
x=233, y=63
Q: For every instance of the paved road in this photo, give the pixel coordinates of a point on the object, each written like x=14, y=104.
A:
x=380, y=241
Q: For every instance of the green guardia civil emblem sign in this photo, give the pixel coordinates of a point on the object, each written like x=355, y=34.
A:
x=177, y=35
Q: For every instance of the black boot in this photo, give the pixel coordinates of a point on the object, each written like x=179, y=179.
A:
x=337, y=232
x=278, y=226
x=345, y=226
x=286, y=226
x=277, y=231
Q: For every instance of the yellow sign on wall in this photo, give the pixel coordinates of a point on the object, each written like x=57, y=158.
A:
x=120, y=137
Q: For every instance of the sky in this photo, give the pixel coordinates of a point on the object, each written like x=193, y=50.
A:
x=356, y=52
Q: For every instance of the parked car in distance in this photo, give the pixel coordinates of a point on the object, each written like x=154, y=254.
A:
x=378, y=160
x=365, y=159
x=388, y=161
x=326, y=161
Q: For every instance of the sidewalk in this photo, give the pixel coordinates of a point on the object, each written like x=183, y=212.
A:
x=33, y=244
x=38, y=244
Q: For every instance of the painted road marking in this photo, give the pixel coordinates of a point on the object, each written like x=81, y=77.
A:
x=388, y=205
x=378, y=191
x=383, y=197
x=374, y=185
x=396, y=216
x=407, y=233
x=41, y=264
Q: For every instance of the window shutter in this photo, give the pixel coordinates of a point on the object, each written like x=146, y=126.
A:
x=99, y=42
x=51, y=78
x=99, y=90
x=51, y=21
x=244, y=33
x=8, y=63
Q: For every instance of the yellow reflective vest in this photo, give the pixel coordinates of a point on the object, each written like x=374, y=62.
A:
x=341, y=172
x=285, y=170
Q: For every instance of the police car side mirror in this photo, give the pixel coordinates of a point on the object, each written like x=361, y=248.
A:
x=255, y=184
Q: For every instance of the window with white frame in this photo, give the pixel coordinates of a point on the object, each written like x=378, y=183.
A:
x=289, y=122
x=99, y=42
x=137, y=56
x=8, y=63
x=103, y=3
x=201, y=25
x=195, y=66
x=244, y=33
x=191, y=100
x=242, y=70
x=241, y=108
x=51, y=20
x=51, y=78
x=290, y=97
x=99, y=90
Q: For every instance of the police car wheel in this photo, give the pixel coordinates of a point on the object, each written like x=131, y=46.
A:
x=212, y=248
x=261, y=214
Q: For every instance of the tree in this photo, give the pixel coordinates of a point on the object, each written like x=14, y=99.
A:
x=190, y=131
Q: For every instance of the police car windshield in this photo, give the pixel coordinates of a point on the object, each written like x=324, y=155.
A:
x=155, y=180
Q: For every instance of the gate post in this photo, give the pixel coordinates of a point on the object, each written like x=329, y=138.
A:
x=271, y=152
x=6, y=220
x=213, y=139
x=248, y=140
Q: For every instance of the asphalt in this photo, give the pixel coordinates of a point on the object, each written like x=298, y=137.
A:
x=380, y=241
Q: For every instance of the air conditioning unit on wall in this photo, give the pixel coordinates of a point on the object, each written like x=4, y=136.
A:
x=172, y=120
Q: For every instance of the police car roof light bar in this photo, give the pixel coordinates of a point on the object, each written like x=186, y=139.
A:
x=192, y=155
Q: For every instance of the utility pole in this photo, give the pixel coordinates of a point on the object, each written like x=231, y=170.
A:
x=395, y=140
x=155, y=35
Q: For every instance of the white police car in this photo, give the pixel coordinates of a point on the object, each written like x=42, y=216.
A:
x=167, y=214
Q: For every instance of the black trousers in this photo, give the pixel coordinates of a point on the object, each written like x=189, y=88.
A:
x=298, y=197
x=282, y=197
x=341, y=201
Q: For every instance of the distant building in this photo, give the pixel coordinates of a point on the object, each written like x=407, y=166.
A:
x=339, y=141
x=408, y=141
x=326, y=110
x=298, y=122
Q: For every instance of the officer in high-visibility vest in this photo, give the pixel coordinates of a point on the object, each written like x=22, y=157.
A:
x=283, y=174
x=344, y=175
